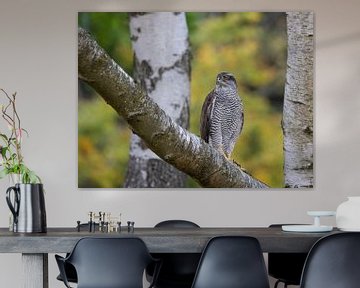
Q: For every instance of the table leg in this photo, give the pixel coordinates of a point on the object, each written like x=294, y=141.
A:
x=35, y=270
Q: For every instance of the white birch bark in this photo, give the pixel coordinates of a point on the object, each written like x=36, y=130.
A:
x=162, y=67
x=298, y=101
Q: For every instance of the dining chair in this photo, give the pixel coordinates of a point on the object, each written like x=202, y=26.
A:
x=178, y=269
x=285, y=267
x=231, y=262
x=333, y=262
x=70, y=271
x=108, y=263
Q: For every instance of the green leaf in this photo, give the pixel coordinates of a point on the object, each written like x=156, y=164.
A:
x=13, y=156
x=3, y=173
x=3, y=151
x=27, y=133
x=4, y=137
x=16, y=168
x=33, y=178
x=27, y=175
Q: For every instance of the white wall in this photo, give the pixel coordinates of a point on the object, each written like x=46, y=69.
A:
x=38, y=47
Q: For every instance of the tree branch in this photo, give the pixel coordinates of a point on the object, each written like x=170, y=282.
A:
x=168, y=140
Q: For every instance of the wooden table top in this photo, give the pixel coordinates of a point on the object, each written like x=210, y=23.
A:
x=158, y=240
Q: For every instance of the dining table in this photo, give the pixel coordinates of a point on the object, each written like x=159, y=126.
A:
x=35, y=247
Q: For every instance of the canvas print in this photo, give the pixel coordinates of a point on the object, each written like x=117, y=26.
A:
x=191, y=100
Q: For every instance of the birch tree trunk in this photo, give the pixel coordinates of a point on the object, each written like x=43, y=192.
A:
x=298, y=101
x=162, y=67
x=167, y=139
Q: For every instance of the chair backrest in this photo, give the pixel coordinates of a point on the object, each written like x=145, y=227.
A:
x=176, y=224
x=333, y=262
x=232, y=262
x=110, y=262
x=178, y=269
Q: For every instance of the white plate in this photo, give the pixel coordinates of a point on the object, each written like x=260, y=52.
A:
x=306, y=228
x=321, y=213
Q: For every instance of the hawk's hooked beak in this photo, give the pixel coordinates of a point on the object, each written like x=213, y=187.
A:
x=222, y=82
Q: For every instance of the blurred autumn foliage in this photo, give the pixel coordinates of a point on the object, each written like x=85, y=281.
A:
x=251, y=45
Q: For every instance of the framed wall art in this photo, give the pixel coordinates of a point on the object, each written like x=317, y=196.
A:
x=190, y=100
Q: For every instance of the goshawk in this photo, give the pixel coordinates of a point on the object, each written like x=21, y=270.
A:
x=222, y=115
